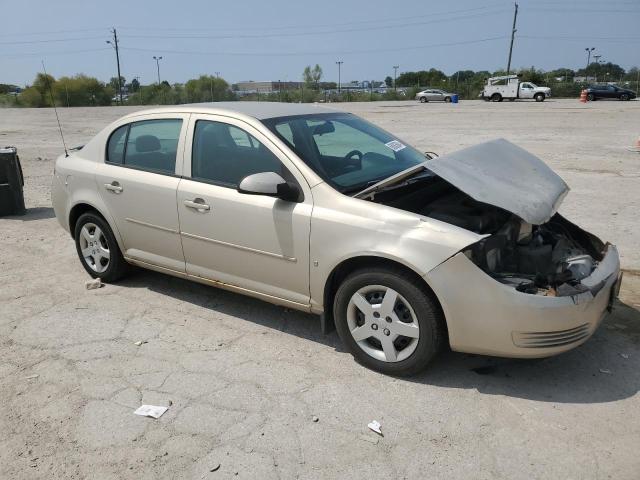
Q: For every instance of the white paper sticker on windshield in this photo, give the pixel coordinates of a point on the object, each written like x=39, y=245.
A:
x=395, y=145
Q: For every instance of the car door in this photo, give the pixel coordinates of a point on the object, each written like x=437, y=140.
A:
x=526, y=90
x=254, y=242
x=138, y=183
x=436, y=95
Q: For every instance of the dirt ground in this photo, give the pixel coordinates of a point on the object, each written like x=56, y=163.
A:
x=244, y=379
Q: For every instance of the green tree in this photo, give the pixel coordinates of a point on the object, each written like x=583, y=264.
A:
x=388, y=81
x=312, y=76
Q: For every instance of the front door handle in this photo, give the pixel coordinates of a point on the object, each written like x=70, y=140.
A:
x=113, y=187
x=197, y=204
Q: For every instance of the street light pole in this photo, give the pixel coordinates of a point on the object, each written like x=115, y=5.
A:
x=157, y=59
x=114, y=44
x=339, y=63
x=589, y=50
x=395, y=75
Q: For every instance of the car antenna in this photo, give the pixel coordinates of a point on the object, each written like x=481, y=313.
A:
x=53, y=102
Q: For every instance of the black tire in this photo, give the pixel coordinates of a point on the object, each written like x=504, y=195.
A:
x=539, y=97
x=117, y=266
x=447, y=99
x=591, y=97
x=496, y=97
x=428, y=313
x=624, y=97
x=423, y=99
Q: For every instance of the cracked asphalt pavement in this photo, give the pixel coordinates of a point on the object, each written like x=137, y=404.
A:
x=244, y=379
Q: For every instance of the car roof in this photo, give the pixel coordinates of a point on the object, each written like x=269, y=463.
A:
x=258, y=110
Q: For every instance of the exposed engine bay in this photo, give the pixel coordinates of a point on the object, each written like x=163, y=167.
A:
x=548, y=259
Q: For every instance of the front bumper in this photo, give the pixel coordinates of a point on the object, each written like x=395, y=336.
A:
x=487, y=317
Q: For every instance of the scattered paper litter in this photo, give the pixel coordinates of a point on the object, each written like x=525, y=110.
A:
x=625, y=356
x=93, y=284
x=375, y=426
x=605, y=370
x=140, y=342
x=151, y=411
x=31, y=377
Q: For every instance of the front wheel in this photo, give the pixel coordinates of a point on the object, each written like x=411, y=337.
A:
x=624, y=97
x=97, y=248
x=447, y=99
x=423, y=99
x=591, y=97
x=539, y=97
x=387, y=322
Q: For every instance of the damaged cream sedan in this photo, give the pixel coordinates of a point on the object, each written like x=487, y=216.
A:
x=321, y=211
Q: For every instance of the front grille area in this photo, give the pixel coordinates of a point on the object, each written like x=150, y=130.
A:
x=551, y=339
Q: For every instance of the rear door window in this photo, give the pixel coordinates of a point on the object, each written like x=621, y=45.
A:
x=153, y=144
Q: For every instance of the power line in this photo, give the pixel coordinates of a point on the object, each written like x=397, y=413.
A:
x=46, y=54
x=298, y=26
x=307, y=33
x=339, y=52
x=25, y=42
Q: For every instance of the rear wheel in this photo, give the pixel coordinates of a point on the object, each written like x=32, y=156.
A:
x=97, y=248
x=423, y=99
x=496, y=97
x=591, y=97
x=387, y=322
x=539, y=97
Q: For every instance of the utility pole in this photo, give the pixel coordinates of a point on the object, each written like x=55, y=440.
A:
x=114, y=44
x=395, y=75
x=157, y=59
x=217, y=74
x=513, y=34
x=339, y=63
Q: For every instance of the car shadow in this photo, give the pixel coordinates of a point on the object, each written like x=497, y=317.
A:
x=604, y=369
x=37, y=213
x=292, y=322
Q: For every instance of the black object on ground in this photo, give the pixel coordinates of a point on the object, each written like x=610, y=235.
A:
x=11, y=183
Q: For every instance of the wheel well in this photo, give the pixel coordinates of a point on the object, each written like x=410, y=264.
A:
x=78, y=210
x=341, y=271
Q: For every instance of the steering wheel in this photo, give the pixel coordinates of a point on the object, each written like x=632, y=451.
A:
x=352, y=153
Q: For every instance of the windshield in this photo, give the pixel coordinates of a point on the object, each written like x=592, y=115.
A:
x=346, y=151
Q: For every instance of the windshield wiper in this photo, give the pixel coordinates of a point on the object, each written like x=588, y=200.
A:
x=392, y=180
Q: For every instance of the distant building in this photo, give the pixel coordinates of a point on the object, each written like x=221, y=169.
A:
x=583, y=79
x=249, y=87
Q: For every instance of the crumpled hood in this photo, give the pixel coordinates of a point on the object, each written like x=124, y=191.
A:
x=504, y=175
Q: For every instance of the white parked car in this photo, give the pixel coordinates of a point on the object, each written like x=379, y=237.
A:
x=321, y=211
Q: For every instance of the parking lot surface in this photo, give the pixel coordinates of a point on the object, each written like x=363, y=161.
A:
x=256, y=391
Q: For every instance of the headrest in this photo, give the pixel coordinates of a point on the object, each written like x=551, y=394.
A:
x=147, y=143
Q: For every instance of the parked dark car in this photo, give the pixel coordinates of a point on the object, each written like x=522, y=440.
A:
x=597, y=92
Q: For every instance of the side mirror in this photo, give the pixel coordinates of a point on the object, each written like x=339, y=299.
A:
x=270, y=184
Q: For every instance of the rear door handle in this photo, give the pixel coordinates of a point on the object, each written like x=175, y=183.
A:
x=197, y=204
x=113, y=187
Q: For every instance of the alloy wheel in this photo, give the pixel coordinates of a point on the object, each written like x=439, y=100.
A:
x=382, y=323
x=94, y=247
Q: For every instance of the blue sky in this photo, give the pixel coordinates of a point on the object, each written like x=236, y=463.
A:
x=275, y=39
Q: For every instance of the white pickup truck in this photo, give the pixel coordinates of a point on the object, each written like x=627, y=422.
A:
x=511, y=88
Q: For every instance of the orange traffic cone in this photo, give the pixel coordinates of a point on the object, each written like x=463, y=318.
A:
x=636, y=146
x=583, y=96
